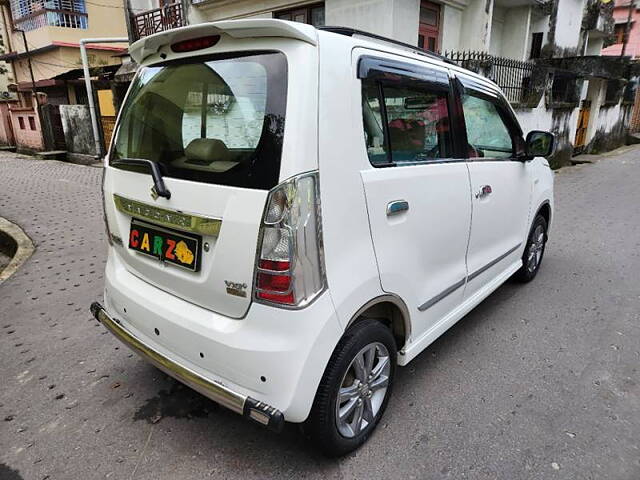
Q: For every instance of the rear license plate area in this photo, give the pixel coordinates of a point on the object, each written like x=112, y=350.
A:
x=168, y=245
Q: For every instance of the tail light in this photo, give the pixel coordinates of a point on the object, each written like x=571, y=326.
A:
x=290, y=263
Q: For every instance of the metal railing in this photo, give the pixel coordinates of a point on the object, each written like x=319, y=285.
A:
x=516, y=78
x=158, y=20
x=31, y=14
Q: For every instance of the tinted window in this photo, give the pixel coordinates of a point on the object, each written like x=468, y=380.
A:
x=487, y=134
x=405, y=125
x=218, y=120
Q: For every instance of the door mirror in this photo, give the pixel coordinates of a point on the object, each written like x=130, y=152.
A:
x=540, y=144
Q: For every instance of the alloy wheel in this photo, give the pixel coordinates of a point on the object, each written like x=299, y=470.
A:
x=363, y=389
x=536, y=248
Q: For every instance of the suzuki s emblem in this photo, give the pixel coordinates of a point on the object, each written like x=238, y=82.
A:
x=154, y=193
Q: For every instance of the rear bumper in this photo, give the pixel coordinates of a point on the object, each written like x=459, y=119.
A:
x=244, y=405
x=272, y=355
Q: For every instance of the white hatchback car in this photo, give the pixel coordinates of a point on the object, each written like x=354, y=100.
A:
x=292, y=212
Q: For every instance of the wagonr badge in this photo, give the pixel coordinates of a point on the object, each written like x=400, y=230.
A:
x=236, y=288
x=404, y=193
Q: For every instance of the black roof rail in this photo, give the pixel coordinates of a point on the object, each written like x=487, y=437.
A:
x=349, y=32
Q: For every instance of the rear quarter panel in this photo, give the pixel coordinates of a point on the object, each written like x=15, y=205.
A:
x=352, y=272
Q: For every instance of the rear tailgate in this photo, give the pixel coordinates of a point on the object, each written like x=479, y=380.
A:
x=220, y=158
x=230, y=255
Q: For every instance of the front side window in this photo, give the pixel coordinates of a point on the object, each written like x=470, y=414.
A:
x=405, y=124
x=217, y=120
x=487, y=134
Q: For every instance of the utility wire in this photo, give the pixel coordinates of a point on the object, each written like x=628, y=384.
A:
x=56, y=64
x=115, y=6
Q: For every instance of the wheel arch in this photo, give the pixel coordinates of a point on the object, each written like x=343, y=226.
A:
x=545, y=210
x=392, y=310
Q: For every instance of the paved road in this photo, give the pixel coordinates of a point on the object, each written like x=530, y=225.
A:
x=538, y=382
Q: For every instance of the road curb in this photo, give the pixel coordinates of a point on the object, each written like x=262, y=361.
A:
x=24, y=247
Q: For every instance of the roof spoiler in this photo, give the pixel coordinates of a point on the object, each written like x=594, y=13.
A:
x=258, y=27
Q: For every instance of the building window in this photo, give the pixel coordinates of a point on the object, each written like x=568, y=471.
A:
x=311, y=14
x=429, y=28
x=536, y=45
x=629, y=95
x=564, y=91
x=613, y=92
x=618, y=33
x=32, y=123
x=33, y=14
x=21, y=123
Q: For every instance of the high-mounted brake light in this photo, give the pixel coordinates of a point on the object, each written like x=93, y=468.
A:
x=195, y=44
x=290, y=264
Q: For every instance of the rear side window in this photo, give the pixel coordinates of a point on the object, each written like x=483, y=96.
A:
x=215, y=120
x=487, y=134
x=405, y=124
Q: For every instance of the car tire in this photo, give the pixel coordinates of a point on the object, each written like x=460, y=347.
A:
x=533, y=251
x=359, y=376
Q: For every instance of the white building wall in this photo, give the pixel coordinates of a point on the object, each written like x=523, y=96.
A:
x=497, y=31
x=563, y=123
x=568, y=23
x=397, y=19
x=596, y=91
x=594, y=45
x=475, y=31
x=516, y=33
x=607, y=118
x=231, y=9
x=451, y=23
x=138, y=6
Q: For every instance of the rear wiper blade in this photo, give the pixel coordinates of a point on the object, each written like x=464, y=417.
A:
x=158, y=189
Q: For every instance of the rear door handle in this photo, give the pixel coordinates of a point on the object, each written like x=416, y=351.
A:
x=396, y=207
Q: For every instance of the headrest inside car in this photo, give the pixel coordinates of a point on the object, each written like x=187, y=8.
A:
x=207, y=150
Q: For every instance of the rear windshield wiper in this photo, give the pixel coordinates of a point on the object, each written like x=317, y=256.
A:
x=158, y=189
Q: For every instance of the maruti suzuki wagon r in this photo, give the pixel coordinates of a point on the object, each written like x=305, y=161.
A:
x=293, y=212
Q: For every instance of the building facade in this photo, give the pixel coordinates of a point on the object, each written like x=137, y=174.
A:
x=544, y=54
x=625, y=15
x=41, y=43
x=626, y=41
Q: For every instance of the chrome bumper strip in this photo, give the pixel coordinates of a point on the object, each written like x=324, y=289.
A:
x=246, y=406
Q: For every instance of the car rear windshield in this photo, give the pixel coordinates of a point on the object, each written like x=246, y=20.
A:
x=214, y=119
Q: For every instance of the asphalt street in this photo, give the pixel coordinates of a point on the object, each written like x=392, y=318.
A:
x=539, y=382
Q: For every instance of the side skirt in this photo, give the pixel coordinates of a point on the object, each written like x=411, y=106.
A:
x=431, y=335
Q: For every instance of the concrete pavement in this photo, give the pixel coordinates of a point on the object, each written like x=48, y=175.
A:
x=539, y=382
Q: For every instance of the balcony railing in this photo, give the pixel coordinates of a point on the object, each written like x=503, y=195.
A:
x=33, y=14
x=523, y=83
x=51, y=18
x=157, y=20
